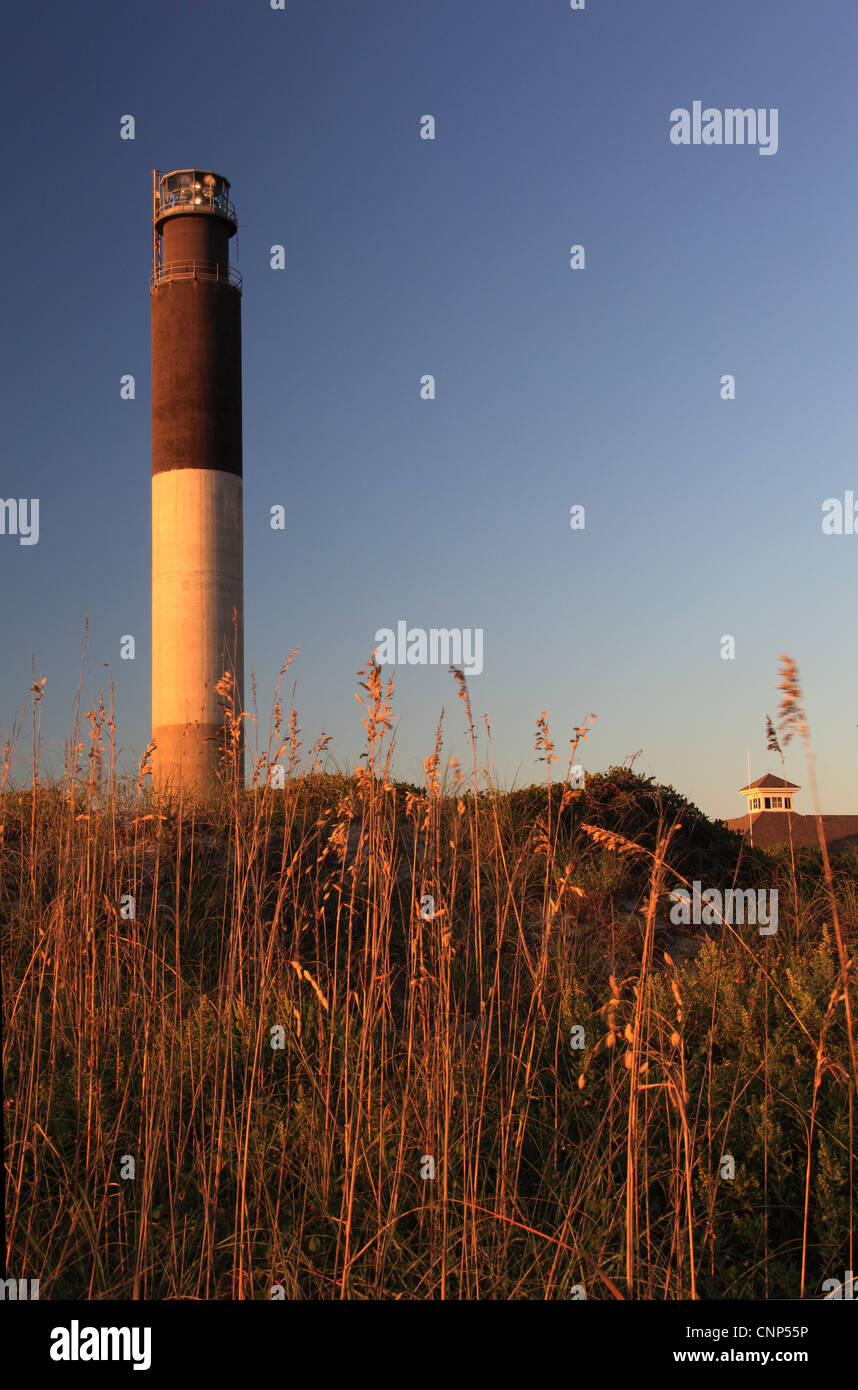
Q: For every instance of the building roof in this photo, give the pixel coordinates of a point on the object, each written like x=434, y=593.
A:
x=771, y=828
x=771, y=781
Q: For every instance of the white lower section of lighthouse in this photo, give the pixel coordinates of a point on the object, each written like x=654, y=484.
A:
x=197, y=619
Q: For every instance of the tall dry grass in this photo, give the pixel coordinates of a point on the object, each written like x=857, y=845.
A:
x=301, y=916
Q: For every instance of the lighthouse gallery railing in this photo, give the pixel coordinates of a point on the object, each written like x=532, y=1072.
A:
x=195, y=270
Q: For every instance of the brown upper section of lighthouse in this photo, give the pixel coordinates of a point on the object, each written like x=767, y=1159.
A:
x=196, y=376
x=195, y=236
x=196, y=326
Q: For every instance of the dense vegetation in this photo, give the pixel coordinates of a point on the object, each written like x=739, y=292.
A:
x=281, y=1033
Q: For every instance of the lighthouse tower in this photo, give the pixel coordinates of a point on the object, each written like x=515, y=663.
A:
x=197, y=543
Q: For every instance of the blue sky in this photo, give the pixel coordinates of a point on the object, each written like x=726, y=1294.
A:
x=555, y=387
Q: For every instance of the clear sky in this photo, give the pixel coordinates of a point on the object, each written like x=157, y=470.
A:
x=554, y=387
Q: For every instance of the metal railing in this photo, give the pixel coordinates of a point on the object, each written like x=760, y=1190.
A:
x=195, y=270
x=191, y=200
